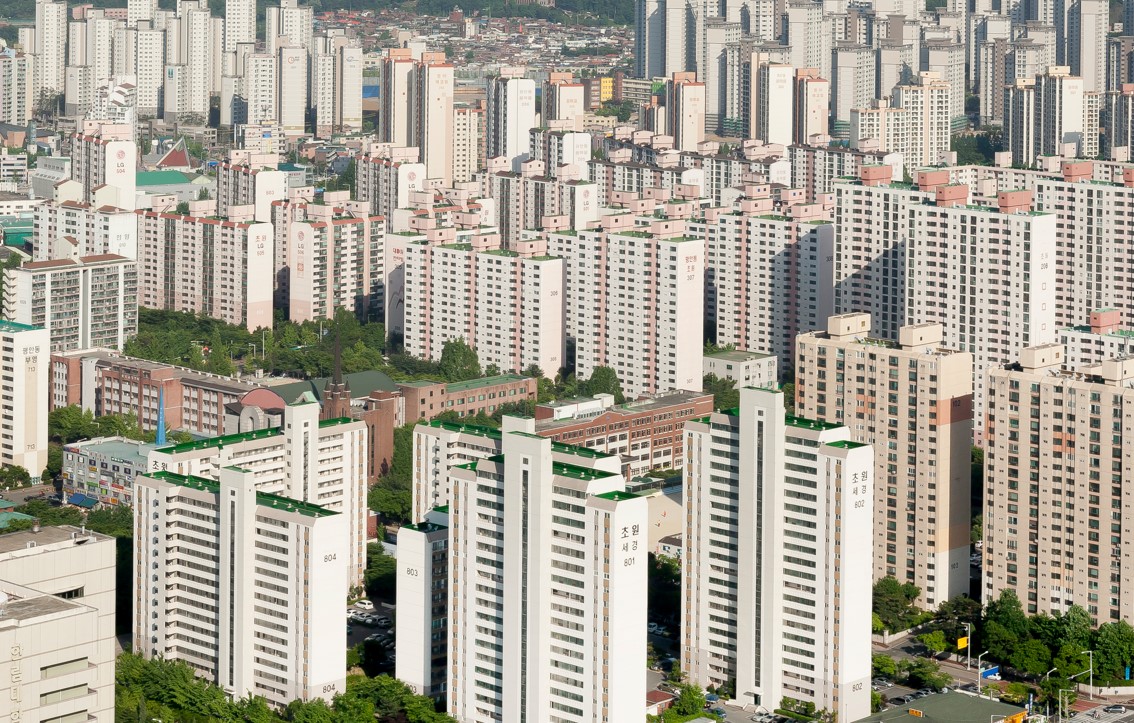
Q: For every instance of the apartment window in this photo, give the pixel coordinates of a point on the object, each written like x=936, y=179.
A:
x=58, y=696
x=71, y=666
x=69, y=718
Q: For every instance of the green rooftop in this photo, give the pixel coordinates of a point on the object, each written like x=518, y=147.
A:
x=425, y=527
x=582, y=473
x=221, y=441
x=13, y=327
x=264, y=499
x=476, y=429
x=334, y=422
x=443, y=509
x=484, y=382
x=502, y=252
x=847, y=444
x=950, y=707
x=618, y=496
x=161, y=178
x=804, y=423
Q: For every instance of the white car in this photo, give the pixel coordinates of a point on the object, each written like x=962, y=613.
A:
x=652, y=627
x=364, y=605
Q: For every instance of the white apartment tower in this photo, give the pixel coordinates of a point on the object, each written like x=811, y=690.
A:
x=511, y=114
x=929, y=100
x=50, y=47
x=289, y=25
x=547, y=581
x=913, y=399
x=244, y=586
x=432, y=122
x=57, y=625
x=635, y=297
x=239, y=23
x=772, y=598
x=508, y=305
x=24, y=403
x=318, y=462
x=348, y=89
x=291, y=91
x=85, y=303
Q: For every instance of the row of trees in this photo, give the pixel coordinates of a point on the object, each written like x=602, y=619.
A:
x=166, y=690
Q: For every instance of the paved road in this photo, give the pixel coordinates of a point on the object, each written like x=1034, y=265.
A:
x=23, y=494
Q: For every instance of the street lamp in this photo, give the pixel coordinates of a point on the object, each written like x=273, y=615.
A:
x=968, y=645
x=1048, y=673
x=1061, y=706
x=1091, y=684
x=978, y=672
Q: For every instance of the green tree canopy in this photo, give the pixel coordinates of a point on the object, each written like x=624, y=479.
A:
x=604, y=380
x=459, y=361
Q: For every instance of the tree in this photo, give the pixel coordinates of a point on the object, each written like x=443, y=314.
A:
x=459, y=361
x=690, y=700
x=877, y=627
x=875, y=701
x=1032, y=657
x=1015, y=693
x=203, y=194
x=724, y=391
x=953, y=614
x=664, y=587
x=894, y=603
x=883, y=665
x=1005, y=625
x=1114, y=649
x=70, y=424
x=381, y=574
x=924, y=673
x=935, y=642
x=182, y=208
x=604, y=380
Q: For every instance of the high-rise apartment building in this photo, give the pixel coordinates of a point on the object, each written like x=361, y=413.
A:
x=83, y=303
x=925, y=254
x=929, y=100
x=635, y=296
x=318, y=462
x=24, y=402
x=202, y=264
x=17, y=87
x=1047, y=115
x=105, y=155
x=244, y=586
x=686, y=110
x=508, y=305
x=385, y=178
x=250, y=179
x=336, y=260
x=289, y=25
x=423, y=604
x=431, y=106
x=239, y=23
x=914, y=400
x=348, y=89
x=468, y=143
x=773, y=603
x=69, y=229
x=1056, y=456
x=57, y=624
x=547, y=580
x=50, y=48
x=768, y=277
x=291, y=91
x=510, y=115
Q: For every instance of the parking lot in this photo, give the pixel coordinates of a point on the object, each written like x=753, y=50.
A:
x=376, y=625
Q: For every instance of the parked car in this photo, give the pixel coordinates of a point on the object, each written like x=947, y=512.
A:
x=900, y=700
x=384, y=622
x=1114, y=709
x=718, y=712
x=652, y=627
x=364, y=605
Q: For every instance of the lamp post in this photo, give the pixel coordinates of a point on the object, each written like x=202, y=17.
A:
x=1091, y=684
x=1046, y=705
x=1061, y=706
x=978, y=672
x=968, y=645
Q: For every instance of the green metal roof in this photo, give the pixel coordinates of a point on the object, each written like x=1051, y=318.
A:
x=847, y=444
x=13, y=327
x=161, y=178
x=220, y=441
x=361, y=385
x=484, y=382
x=804, y=423
x=264, y=499
x=618, y=496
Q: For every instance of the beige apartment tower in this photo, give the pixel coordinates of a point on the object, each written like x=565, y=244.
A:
x=913, y=401
x=1058, y=460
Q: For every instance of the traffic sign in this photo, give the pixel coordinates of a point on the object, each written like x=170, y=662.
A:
x=989, y=672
